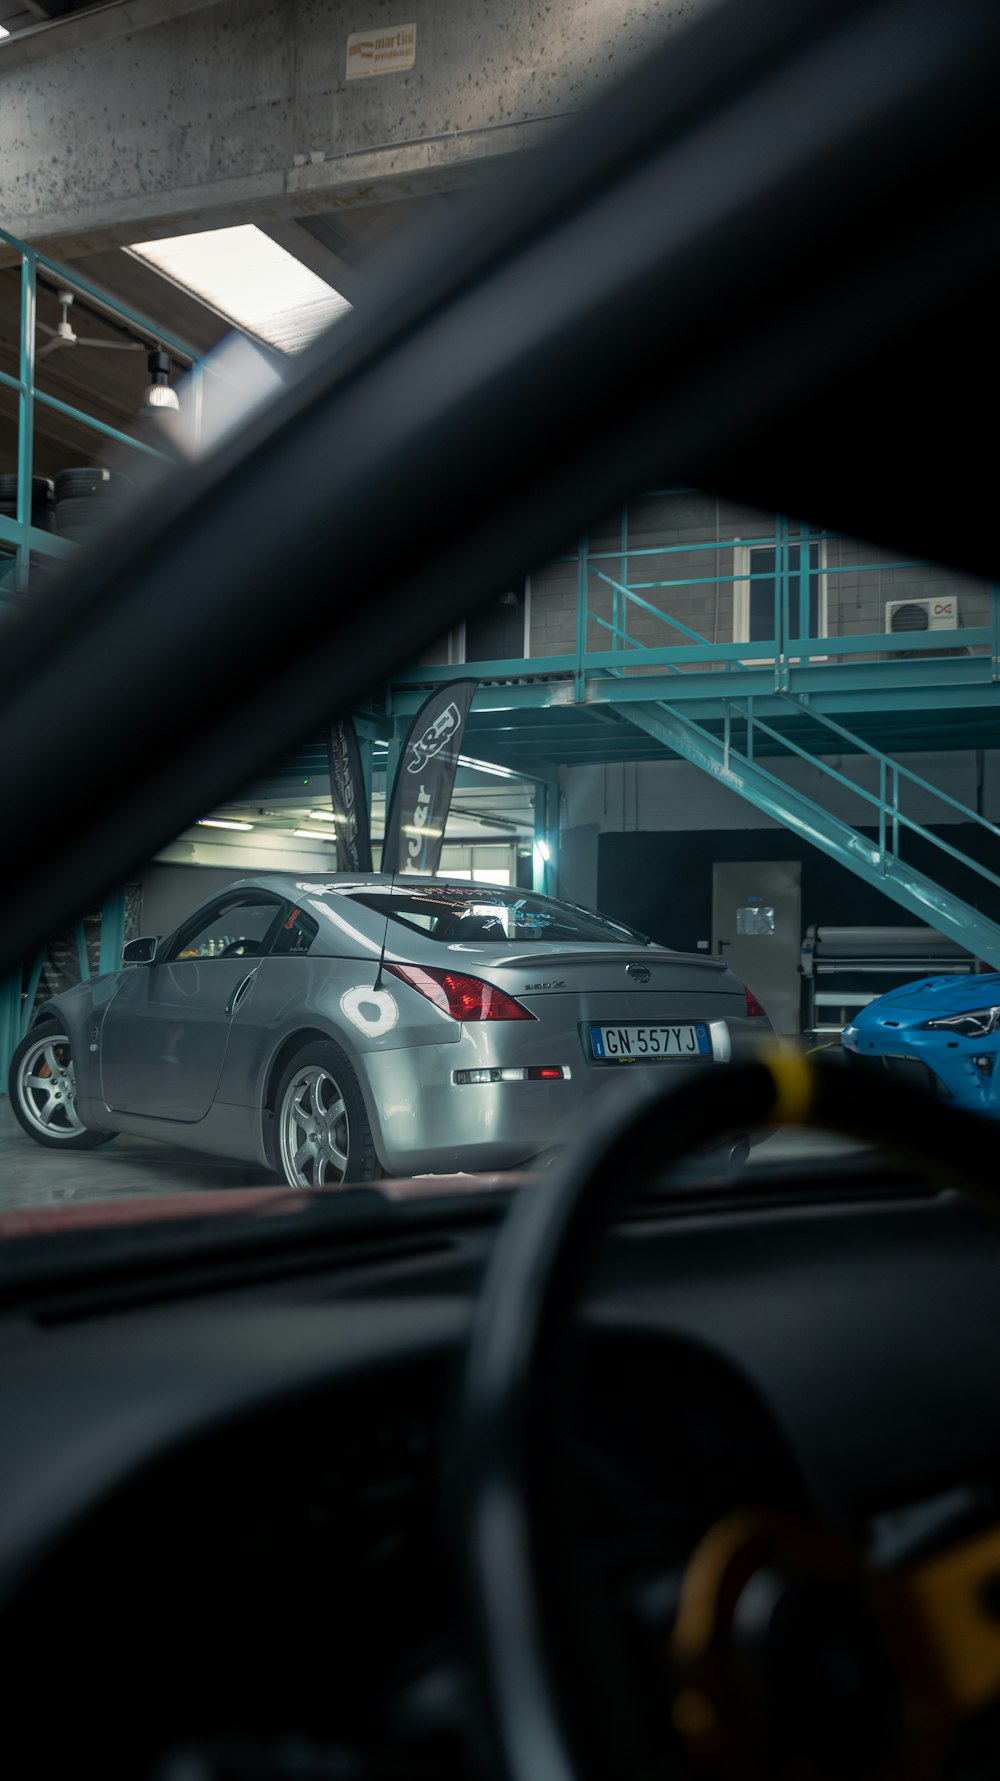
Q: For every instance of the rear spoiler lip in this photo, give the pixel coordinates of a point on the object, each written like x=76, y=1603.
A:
x=536, y=960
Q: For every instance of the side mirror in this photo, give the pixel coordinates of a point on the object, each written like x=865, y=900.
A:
x=140, y=952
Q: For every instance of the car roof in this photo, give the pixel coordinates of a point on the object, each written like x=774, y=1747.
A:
x=294, y=884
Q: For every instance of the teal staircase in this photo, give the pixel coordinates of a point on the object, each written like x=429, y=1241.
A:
x=733, y=759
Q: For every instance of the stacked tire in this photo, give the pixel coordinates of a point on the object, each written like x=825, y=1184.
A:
x=87, y=499
x=42, y=498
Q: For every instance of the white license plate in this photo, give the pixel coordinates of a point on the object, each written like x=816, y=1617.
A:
x=649, y=1044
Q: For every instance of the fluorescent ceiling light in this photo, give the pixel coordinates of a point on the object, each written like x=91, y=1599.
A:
x=414, y=828
x=312, y=835
x=466, y=760
x=251, y=280
x=326, y=816
x=221, y=822
x=4, y=31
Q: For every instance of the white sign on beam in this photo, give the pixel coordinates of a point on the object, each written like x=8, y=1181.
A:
x=381, y=52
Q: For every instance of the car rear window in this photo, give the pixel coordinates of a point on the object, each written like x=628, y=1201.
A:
x=480, y=915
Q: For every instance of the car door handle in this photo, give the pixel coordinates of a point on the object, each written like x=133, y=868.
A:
x=240, y=991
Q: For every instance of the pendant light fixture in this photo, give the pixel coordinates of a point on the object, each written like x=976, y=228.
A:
x=159, y=394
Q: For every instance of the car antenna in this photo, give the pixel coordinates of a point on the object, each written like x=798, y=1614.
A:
x=385, y=936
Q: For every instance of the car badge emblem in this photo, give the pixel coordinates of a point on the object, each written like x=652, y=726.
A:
x=638, y=973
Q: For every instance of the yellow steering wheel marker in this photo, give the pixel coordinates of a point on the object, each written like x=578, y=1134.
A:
x=794, y=1087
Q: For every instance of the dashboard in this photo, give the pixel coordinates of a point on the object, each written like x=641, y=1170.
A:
x=227, y=1539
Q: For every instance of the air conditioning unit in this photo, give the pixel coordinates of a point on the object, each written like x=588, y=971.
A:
x=921, y=615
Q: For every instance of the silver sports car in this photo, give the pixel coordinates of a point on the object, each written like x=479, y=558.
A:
x=362, y=1025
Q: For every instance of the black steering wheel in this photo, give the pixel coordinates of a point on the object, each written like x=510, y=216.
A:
x=923, y=1649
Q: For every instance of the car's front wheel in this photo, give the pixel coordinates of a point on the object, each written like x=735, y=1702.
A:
x=322, y=1128
x=42, y=1086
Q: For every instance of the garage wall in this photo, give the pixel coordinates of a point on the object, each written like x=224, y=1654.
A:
x=639, y=839
x=673, y=795
x=662, y=883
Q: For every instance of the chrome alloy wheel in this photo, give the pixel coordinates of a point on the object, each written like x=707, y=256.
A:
x=46, y=1087
x=314, y=1131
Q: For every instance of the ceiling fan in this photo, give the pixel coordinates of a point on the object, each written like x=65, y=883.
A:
x=63, y=334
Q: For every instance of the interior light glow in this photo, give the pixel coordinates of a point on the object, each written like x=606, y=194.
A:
x=3, y=32
x=543, y=851
x=326, y=816
x=221, y=822
x=313, y=835
x=415, y=828
x=245, y=275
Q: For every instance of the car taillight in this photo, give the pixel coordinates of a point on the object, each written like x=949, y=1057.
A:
x=464, y=998
x=754, y=1009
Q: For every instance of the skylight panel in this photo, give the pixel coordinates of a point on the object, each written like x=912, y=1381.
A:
x=252, y=281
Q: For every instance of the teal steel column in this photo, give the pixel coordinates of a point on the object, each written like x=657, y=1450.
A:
x=540, y=841
x=620, y=612
x=25, y=417
x=10, y=1023
x=781, y=567
x=552, y=836
x=805, y=566
x=545, y=851
x=112, y=932
x=581, y=613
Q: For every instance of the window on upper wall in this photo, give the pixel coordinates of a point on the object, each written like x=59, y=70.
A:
x=755, y=570
x=497, y=629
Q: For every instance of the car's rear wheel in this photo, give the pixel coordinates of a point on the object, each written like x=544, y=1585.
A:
x=42, y=1087
x=322, y=1129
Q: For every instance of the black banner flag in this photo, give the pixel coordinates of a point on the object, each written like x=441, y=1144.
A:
x=421, y=797
x=347, y=796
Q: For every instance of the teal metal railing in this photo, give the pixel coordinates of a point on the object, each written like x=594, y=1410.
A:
x=20, y=990
x=19, y=533
x=723, y=645
x=792, y=607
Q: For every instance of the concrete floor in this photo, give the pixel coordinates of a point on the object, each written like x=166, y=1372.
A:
x=31, y=1175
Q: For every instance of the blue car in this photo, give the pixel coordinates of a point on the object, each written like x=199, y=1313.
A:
x=942, y=1033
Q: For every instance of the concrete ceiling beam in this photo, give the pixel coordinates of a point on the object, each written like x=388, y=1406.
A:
x=160, y=116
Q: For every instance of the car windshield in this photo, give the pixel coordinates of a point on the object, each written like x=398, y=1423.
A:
x=347, y=623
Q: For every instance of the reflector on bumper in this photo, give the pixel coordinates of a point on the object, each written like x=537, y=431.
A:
x=531, y=1073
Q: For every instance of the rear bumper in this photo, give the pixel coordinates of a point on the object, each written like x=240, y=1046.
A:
x=426, y=1123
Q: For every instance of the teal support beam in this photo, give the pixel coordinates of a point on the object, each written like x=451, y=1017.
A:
x=112, y=932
